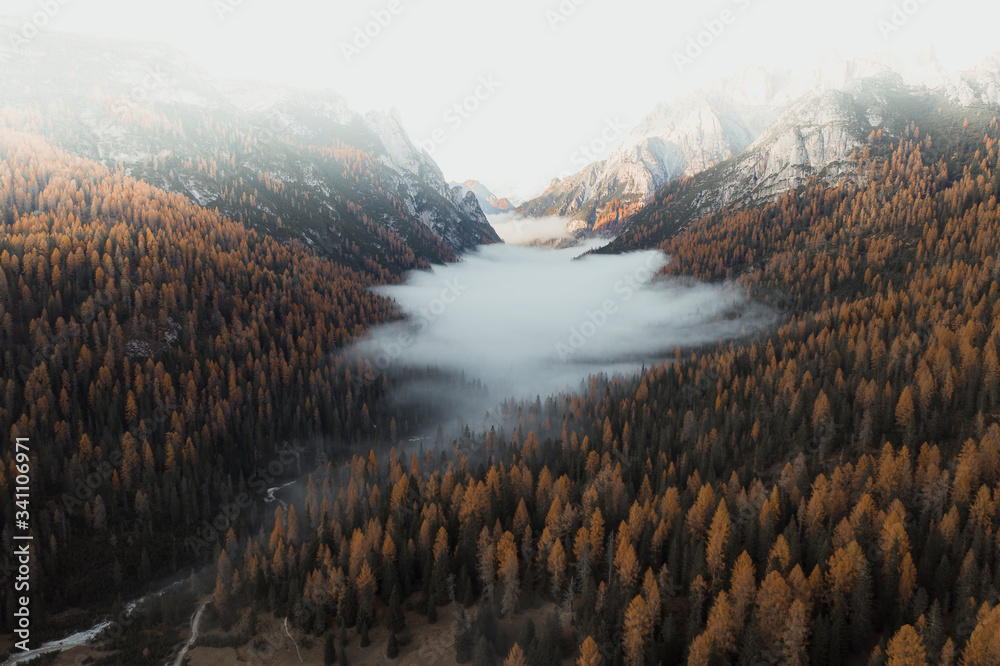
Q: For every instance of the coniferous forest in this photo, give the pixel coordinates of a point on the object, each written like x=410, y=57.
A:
x=824, y=493
x=215, y=467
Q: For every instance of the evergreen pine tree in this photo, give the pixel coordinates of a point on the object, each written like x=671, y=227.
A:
x=465, y=640
x=432, y=614
x=329, y=651
x=464, y=594
x=395, y=618
x=349, y=612
x=861, y=609
x=483, y=655
x=526, y=635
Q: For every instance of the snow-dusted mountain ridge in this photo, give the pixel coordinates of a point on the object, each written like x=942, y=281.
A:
x=780, y=126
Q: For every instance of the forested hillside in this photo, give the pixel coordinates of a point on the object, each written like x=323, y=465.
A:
x=957, y=130
x=292, y=164
x=826, y=493
x=161, y=356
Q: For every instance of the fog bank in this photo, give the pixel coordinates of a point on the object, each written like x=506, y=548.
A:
x=516, y=229
x=533, y=321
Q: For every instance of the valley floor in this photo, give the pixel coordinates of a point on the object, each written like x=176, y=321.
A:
x=421, y=643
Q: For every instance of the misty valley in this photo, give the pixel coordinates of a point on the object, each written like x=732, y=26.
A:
x=523, y=322
x=637, y=361
x=479, y=341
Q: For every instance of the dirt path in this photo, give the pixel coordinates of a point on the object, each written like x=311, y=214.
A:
x=195, y=621
x=293, y=641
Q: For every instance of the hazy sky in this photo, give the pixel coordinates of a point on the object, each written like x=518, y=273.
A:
x=551, y=75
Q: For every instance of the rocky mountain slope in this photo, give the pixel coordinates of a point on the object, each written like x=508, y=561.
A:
x=489, y=202
x=819, y=138
x=294, y=164
x=980, y=84
x=671, y=142
x=772, y=129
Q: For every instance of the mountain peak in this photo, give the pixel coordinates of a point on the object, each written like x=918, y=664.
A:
x=705, y=127
x=489, y=202
x=350, y=186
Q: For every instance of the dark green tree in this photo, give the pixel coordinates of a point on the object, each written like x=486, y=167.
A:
x=395, y=617
x=329, y=651
x=483, y=655
x=465, y=639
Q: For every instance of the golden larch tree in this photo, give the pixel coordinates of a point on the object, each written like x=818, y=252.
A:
x=906, y=648
x=637, y=629
x=718, y=540
x=590, y=653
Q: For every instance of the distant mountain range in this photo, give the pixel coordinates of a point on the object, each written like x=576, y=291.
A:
x=772, y=129
x=489, y=202
x=289, y=163
x=302, y=165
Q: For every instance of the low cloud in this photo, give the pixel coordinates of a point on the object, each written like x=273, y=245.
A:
x=529, y=321
x=516, y=229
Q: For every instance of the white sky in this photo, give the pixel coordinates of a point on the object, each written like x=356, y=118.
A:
x=558, y=88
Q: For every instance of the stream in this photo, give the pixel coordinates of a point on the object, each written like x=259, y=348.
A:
x=82, y=637
x=195, y=621
x=86, y=636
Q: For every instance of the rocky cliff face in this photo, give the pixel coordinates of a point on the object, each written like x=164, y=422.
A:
x=696, y=133
x=673, y=141
x=446, y=210
x=980, y=84
x=763, y=131
x=489, y=202
x=822, y=137
x=818, y=136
